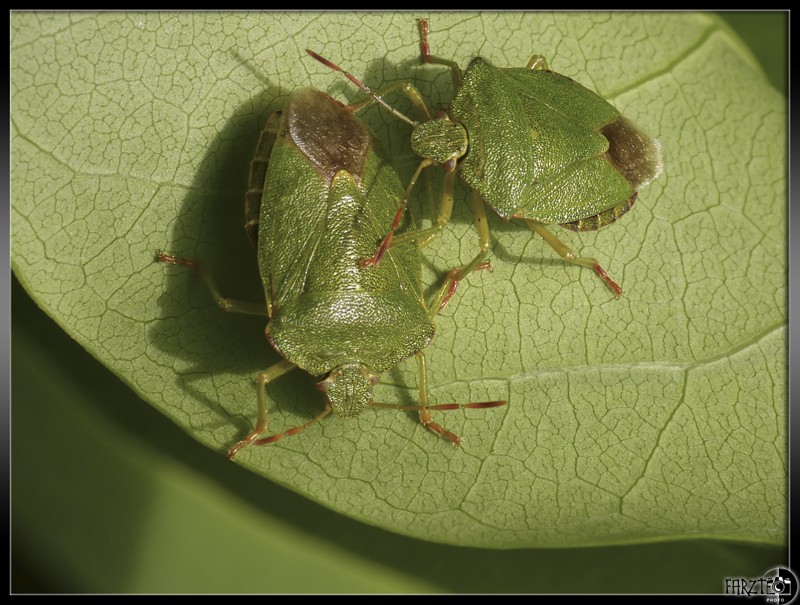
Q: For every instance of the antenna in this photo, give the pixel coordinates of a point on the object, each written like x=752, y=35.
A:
x=375, y=96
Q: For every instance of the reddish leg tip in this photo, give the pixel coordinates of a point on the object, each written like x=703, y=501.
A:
x=440, y=430
x=610, y=282
x=485, y=404
x=271, y=439
x=374, y=260
x=425, y=48
x=447, y=299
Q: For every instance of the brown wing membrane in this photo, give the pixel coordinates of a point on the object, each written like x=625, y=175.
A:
x=632, y=152
x=328, y=133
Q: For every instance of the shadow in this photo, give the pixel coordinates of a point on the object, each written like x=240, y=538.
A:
x=210, y=229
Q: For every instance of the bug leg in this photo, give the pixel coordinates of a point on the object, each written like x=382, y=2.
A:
x=268, y=375
x=425, y=416
x=425, y=51
x=565, y=253
x=226, y=304
x=538, y=62
x=390, y=239
x=422, y=236
x=450, y=284
x=424, y=410
x=425, y=236
x=296, y=429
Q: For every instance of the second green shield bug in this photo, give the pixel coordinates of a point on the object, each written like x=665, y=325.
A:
x=320, y=195
x=532, y=144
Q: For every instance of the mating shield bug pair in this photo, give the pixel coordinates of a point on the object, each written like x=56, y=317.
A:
x=531, y=144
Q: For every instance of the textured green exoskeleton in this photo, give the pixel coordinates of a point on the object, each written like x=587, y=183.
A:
x=320, y=196
x=533, y=145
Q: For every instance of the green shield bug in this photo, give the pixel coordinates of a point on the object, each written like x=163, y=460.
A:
x=319, y=197
x=533, y=145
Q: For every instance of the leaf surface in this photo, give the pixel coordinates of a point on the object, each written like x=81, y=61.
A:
x=661, y=415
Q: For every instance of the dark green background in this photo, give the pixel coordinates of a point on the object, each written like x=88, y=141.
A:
x=53, y=456
x=767, y=35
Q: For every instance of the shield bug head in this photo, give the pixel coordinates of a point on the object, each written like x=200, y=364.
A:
x=349, y=389
x=533, y=145
x=320, y=195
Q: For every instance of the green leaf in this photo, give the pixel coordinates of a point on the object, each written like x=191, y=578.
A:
x=658, y=416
